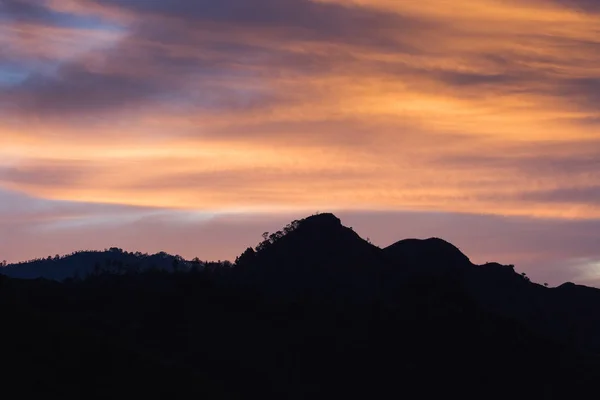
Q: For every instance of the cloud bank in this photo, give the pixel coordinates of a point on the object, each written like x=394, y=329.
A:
x=302, y=105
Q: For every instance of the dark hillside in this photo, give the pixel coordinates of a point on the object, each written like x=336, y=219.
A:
x=313, y=311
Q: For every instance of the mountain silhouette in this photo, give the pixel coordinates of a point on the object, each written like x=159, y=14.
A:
x=433, y=251
x=312, y=255
x=313, y=310
x=83, y=263
x=319, y=256
x=318, y=241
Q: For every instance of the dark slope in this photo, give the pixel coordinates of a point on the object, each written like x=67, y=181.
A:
x=321, y=257
x=564, y=314
x=317, y=255
x=426, y=253
x=431, y=258
x=55, y=347
x=319, y=242
x=174, y=333
x=313, y=312
x=84, y=263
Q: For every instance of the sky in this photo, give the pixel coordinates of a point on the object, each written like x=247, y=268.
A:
x=192, y=127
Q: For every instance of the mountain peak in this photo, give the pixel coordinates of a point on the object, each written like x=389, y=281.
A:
x=321, y=230
x=318, y=242
x=326, y=220
x=427, y=251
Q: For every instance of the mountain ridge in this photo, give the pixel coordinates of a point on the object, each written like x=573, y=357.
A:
x=314, y=310
x=84, y=263
x=323, y=235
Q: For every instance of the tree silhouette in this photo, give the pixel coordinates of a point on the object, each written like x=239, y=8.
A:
x=246, y=257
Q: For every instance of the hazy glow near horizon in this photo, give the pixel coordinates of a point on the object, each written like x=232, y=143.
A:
x=486, y=107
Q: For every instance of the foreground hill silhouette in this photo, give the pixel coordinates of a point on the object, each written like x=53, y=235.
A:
x=313, y=311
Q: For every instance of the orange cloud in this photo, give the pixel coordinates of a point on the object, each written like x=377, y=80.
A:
x=485, y=108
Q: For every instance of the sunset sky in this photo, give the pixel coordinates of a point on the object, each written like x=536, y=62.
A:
x=193, y=126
